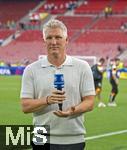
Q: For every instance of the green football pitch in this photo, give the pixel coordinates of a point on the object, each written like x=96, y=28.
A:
x=106, y=127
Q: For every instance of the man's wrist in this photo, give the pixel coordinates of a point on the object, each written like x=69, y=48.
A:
x=72, y=112
x=47, y=100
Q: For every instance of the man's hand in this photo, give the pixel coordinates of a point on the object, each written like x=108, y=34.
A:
x=67, y=113
x=56, y=97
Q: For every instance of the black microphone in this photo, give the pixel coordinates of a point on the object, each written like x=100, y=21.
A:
x=59, y=84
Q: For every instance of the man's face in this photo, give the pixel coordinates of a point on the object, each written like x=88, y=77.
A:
x=55, y=42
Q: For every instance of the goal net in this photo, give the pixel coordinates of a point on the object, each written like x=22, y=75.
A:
x=90, y=59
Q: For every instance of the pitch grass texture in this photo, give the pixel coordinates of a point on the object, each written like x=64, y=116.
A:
x=98, y=122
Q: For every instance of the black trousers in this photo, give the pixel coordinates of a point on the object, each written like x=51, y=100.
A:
x=114, y=87
x=77, y=146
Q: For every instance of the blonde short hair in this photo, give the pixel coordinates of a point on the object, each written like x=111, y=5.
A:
x=54, y=23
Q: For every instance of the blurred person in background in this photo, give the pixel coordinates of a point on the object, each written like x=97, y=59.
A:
x=114, y=80
x=98, y=70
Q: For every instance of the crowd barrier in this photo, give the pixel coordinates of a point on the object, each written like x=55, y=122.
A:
x=18, y=70
x=15, y=70
x=123, y=73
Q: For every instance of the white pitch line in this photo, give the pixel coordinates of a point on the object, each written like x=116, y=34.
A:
x=105, y=135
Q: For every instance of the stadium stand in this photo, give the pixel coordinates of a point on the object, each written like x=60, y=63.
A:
x=14, y=10
x=57, y=7
x=120, y=6
x=5, y=33
x=102, y=37
x=75, y=23
x=30, y=36
x=92, y=6
x=90, y=33
x=113, y=22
